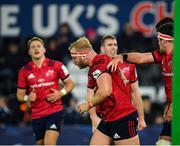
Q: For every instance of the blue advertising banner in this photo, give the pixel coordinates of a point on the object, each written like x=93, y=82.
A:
x=43, y=17
x=71, y=135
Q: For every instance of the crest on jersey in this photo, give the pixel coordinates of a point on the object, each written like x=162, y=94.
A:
x=49, y=73
x=122, y=73
x=170, y=62
x=125, y=69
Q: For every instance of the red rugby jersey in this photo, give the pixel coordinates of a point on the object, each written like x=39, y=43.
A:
x=119, y=104
x=167, y=73
x=42, y=80
x=128, y=74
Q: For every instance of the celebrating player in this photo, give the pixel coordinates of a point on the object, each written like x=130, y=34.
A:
x=163, y=56
x=128, y=72
x=119, y=116
x=38, y=83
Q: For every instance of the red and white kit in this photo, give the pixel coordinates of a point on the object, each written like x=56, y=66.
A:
x=42, y=80
x=166, y=64
x=119, y=104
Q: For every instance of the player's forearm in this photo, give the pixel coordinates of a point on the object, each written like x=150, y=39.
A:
x=100, y=96
x=139, y=58
x=92, y=111
x=104, y=83
x=68, y=87
x=90, y=94
x=20, y=96
x=137, y=101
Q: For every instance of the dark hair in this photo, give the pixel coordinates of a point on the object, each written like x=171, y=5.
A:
x=107, y=37
x=165, y=26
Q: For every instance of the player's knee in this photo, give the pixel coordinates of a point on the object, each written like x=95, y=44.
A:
x=40, y=142
x=161, y=142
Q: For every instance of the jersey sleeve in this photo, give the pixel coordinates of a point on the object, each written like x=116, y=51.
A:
x=63, y=72
x=100, y=66
x=133, y=74
x=91, y=81
x=157, y=56
x=22, y=82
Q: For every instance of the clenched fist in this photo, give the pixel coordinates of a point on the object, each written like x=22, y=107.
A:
x=83, y=107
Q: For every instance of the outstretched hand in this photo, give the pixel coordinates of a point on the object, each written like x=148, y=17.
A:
x=115, y=61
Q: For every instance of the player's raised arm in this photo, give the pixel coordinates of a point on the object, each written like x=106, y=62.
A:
x=138, y=58
x=135, y=57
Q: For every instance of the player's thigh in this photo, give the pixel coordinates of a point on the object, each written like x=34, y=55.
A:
x=130, y=141
x=98, y=138
x=51, y=137
x=53, y=127
x=39, y=130
x=124, y=128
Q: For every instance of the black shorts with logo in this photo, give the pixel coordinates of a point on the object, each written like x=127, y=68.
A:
x=166, y=131
x=120, y=129
x=51, y=122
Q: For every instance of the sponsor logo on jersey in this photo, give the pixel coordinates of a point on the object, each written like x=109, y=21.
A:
x=42, y=84
x=41, y=80
x=96, y=74
x=65, y=70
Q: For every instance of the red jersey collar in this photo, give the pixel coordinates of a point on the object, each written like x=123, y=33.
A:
x=45, y=62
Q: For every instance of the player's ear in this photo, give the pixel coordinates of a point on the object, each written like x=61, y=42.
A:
x=29, y=52
x=102, y=50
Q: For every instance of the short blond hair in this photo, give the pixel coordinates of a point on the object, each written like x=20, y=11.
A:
x=35, y=39
x=81, y=44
